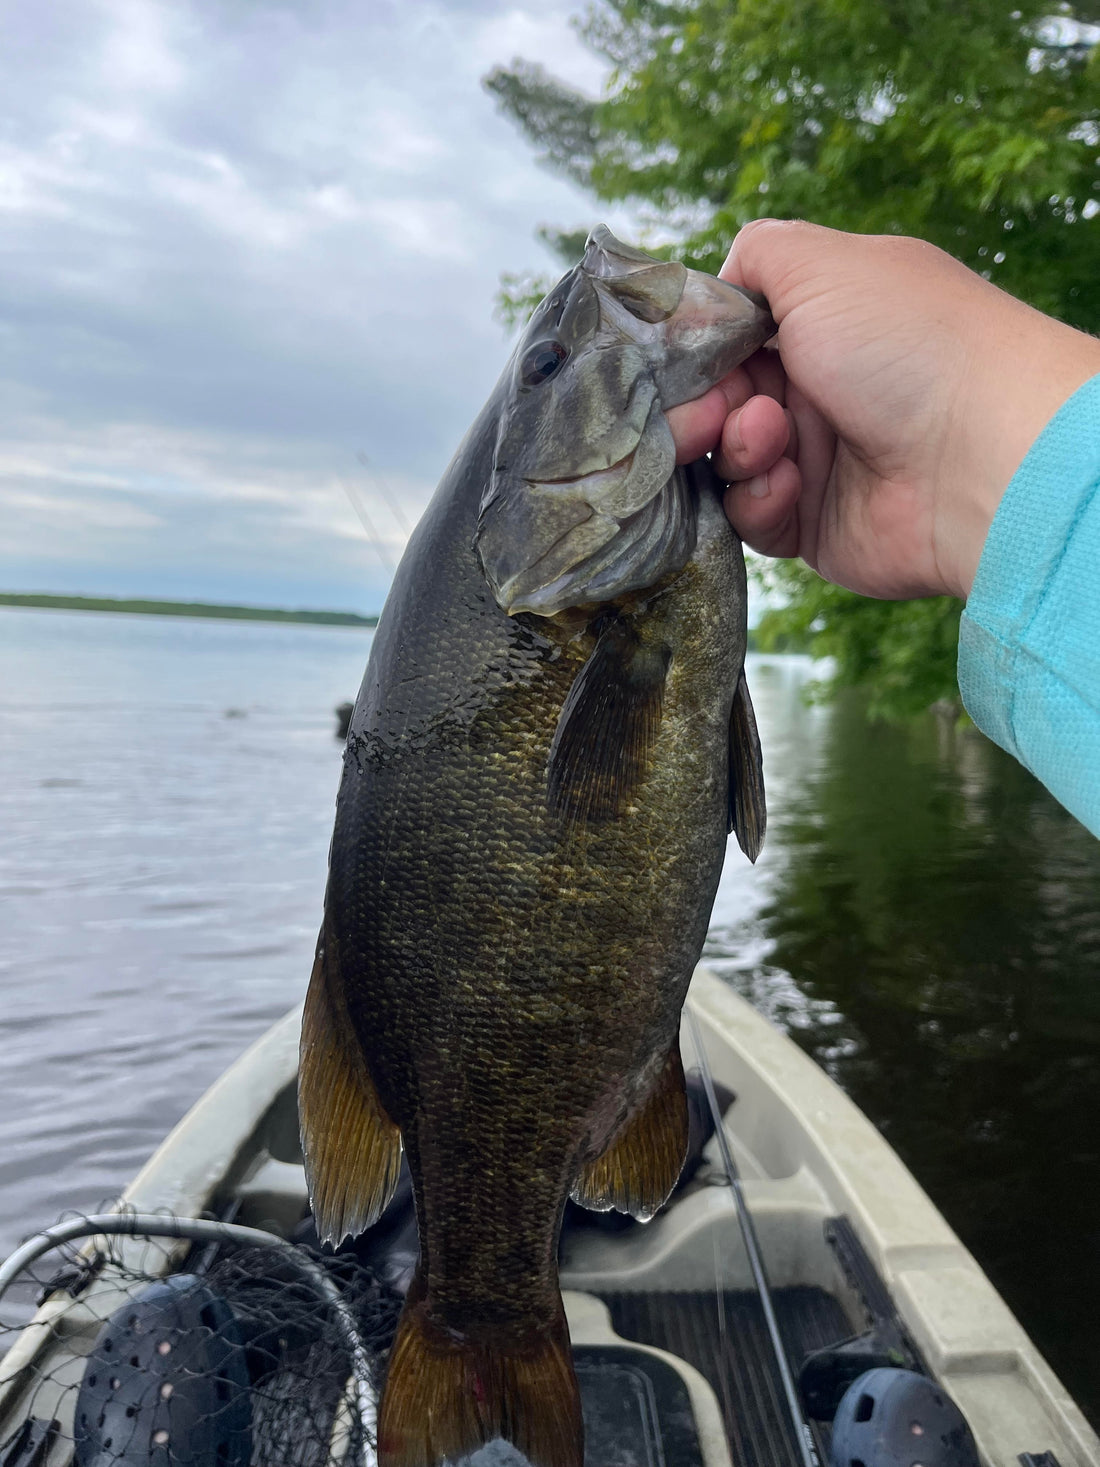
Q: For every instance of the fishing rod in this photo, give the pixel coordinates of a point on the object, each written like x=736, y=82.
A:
x=804, y=1437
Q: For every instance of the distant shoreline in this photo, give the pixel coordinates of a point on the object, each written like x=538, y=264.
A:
x=214, y=611
x=208, y=609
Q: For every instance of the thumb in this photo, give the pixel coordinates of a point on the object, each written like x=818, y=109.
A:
x=784, y=259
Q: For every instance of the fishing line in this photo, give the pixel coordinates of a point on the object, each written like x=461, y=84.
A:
x=392, y=502
x=807, y=1448
x=360, y=508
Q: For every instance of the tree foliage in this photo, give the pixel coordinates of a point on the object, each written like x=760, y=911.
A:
x=903, y=652
x=974, y=126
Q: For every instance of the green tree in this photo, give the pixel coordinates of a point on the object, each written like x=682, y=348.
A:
x=974, y=126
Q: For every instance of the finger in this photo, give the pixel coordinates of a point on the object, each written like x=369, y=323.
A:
x=734, y=268
x=781, y=257
x=794, y=442
x=813, y=443
x=697, y=426
x=753, y=438
x=764, y=510
x=764, y=370
x=816, y=459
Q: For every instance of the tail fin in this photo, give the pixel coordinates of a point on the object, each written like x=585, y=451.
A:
x=446, y=1396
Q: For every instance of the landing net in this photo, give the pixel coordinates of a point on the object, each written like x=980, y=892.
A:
x=176, y=1341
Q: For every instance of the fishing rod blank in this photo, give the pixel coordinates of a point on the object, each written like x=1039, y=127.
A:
x=804, y=1437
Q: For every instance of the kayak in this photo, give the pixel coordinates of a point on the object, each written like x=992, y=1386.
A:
x=797, y=1255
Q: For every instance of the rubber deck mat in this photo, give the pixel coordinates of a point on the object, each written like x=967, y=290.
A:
x=730, y=1346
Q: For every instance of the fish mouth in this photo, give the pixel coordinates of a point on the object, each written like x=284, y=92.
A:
x=596, y=479
x=511, y=595
x=585, y=537
x=536, y=586
x=598, y=557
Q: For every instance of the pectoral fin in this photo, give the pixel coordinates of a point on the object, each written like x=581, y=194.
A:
x=352, y=1149
x=748, y=814
x=638, y=1171
x=604, y=740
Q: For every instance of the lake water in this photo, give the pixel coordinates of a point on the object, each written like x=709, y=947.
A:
x=925, y=921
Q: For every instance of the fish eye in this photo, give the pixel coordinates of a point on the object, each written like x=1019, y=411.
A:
x=541, y=362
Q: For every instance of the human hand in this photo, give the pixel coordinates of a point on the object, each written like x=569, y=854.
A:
x=878, y=441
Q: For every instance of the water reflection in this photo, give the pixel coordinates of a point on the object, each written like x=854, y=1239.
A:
x=161, y=871
x=924, y=919
x=929, y=930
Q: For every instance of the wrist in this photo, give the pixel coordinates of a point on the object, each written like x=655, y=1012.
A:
x=1022, y=375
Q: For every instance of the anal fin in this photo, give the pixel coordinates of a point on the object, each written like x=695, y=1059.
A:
x=352, y=1149
x=641, y=1166
x=446, y=1393
x=748, y=813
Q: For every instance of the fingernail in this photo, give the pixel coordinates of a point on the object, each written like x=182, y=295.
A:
x=758, y=486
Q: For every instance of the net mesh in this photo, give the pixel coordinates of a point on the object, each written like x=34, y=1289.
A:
x=137, y=1349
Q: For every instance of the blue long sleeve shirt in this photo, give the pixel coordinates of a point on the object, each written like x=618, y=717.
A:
x=1029, y=644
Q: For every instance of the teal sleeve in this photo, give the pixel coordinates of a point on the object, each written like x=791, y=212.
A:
x=1029, y=643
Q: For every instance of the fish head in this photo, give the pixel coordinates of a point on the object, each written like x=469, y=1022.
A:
x=583, y=502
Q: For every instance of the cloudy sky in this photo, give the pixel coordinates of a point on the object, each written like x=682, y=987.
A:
x=248, y=254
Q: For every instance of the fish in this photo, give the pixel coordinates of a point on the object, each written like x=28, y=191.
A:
x=552, y=741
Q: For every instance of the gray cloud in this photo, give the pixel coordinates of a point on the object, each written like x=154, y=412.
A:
x=241, y=243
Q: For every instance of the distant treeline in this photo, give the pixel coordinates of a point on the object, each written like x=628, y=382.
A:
x=763, y=639
x=756, y=643
x=187, y=608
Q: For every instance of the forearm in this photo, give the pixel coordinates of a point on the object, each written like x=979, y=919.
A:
x=1029, y=652
x=1022, y=367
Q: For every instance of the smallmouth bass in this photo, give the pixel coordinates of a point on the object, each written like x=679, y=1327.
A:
x=552, y=740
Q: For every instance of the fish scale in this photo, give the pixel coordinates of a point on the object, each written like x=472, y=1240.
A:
x=529, y=834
